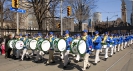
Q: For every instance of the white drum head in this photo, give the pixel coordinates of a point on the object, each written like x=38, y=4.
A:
x=82, y=47
x=11, y=43
x=19, y=45
x=74, y=46
x=104, y=46
x=45, y=45
x=33, y=44
x=62, y=45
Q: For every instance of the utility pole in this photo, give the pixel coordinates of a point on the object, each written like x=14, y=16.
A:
x=61, y=18
x=17, y=23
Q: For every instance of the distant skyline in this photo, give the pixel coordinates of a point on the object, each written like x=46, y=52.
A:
x=109, y=8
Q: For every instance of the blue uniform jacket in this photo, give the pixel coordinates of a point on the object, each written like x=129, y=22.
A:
x=108, y=41
x=89, y=44
x=68, y=42
x=97, y=43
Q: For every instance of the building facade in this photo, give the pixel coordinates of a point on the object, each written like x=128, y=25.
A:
x=97, y=16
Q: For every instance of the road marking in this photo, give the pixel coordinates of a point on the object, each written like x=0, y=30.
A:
x=118, y=60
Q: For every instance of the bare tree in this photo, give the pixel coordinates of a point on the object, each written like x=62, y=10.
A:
x=40, y=9
x=81, y=10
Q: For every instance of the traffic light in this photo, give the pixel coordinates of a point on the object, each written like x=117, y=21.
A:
x=15, y=3
x=58, y=25
x=69, y=10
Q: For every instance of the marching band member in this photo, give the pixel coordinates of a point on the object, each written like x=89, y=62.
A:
x=51, y=50
x=24, y=48
x=119, y=43
x=88, y=40
x=38, y=51
x=115, y=43
x=112, y=45
x=68, y=42
x=78, y=55
x=121, y=40
x=108, y=46
x=97, y=46
x=17, y=50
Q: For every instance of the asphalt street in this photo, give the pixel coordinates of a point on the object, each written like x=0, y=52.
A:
x=121, y=61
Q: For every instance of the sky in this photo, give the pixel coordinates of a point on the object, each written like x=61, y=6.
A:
x=110, y=8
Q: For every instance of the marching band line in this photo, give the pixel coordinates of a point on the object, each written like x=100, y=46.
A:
x=78, y=45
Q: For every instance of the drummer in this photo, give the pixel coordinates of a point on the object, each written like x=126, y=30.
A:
x=65, y=54
x=78, y=55
x=88, y=40
x=97, y=46
x=51, y=50
x=24, y=48
x=38, y=51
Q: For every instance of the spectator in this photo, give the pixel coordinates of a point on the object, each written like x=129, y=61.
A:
x=7, y=48
x=3, y=48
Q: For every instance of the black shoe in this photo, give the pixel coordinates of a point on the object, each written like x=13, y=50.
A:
x=110, y=55
x=20, y=60
x=98, y=61
x=88, y=67
x=76, y=61
x=47, y=64
x=64, y=67
x=95, y=63
x=114, y=52
x=80, y=60
x=53, y=62
x=69, y=62
x=105, y=59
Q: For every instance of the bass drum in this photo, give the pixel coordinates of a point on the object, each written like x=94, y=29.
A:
x=18, y=44
x=27, y=43
x=78, y=46
x=59, y=45
x=39, y=42
x=32, y=44
x=45, y=45
x=10, y=43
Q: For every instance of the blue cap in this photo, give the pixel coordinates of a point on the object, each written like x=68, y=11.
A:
x=78, y=35
x=106, y=32
x=26, y=35
x=20, y=34
x=112, y=34
x=96, y=32
x=85, y=31
x=39, y=34
x=51, y=33
x=66, y=32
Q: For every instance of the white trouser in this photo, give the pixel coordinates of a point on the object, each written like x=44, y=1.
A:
x=66, y=58
x=97, y=56
x=39, y=53
x=78, y=57
x=112, y=50
x=24, y=53
x=18, y=53
x=125, y=44
x=115, y=48
x=106, y=52
x=121, y=46
x=86, y=61
x=118, y=48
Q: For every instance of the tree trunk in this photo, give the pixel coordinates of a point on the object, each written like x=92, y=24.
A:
x=80, y=26
x=1, y=19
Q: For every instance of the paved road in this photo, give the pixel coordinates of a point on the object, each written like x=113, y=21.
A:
x=121, y=61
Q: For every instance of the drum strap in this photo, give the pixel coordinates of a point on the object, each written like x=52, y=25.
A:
x=95, y=38
x=104, y=39
x=84, y=37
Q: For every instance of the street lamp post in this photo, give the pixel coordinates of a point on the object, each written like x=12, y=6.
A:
x=61, y=18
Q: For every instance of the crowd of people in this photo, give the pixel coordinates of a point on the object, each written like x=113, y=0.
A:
x=97, y=43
